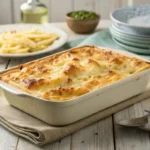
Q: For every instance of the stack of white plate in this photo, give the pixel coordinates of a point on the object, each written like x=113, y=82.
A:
x=131, y=28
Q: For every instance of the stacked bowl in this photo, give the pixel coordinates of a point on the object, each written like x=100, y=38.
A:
x=131, y=28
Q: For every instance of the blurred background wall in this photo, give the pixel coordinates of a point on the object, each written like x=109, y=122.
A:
x=10, y=9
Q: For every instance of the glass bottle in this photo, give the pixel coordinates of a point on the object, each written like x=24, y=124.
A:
x=34, y=12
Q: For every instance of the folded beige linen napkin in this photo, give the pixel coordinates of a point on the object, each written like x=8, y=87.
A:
x=41, y=133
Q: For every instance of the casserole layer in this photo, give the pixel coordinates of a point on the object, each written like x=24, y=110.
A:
x=73, y=73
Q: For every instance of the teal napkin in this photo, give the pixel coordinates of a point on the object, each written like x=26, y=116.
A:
x=101, y=38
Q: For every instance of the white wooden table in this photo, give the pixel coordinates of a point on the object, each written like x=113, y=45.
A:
x=103, y=135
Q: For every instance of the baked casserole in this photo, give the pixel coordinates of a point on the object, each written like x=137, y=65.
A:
x=72, y=73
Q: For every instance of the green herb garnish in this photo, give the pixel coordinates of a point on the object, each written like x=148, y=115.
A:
x=83, y=15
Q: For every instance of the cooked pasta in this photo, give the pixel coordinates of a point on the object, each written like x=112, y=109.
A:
x=26, y=41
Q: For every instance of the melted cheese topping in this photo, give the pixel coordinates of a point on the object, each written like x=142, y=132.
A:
x=73, y=73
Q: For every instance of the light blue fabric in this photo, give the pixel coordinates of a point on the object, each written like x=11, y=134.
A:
x=101, y=38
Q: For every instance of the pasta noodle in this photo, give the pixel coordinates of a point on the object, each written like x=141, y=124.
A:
x=26, y=41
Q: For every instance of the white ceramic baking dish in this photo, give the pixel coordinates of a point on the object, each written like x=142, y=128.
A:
x=63, y=113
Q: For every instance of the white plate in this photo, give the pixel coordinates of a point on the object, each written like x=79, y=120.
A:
x=133, y=19
x=132, y=49
x=47, y=28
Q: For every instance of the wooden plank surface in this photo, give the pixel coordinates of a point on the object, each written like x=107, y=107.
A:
x=5, y=11
x=85, y=139
x=130, y=138
x=8, y=140
x=84, y=5
x=16, y=10
x=64, y=144
x=140, y=1
x=94, y=137
x=105, y=7
x=57, y=9
x=105, y=134
x=58, y=14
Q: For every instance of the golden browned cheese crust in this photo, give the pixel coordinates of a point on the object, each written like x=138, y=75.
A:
x=73, y=73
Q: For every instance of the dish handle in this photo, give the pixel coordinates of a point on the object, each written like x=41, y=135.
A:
x=11, y=89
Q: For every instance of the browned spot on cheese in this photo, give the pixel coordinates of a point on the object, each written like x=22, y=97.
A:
x=71, y=70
